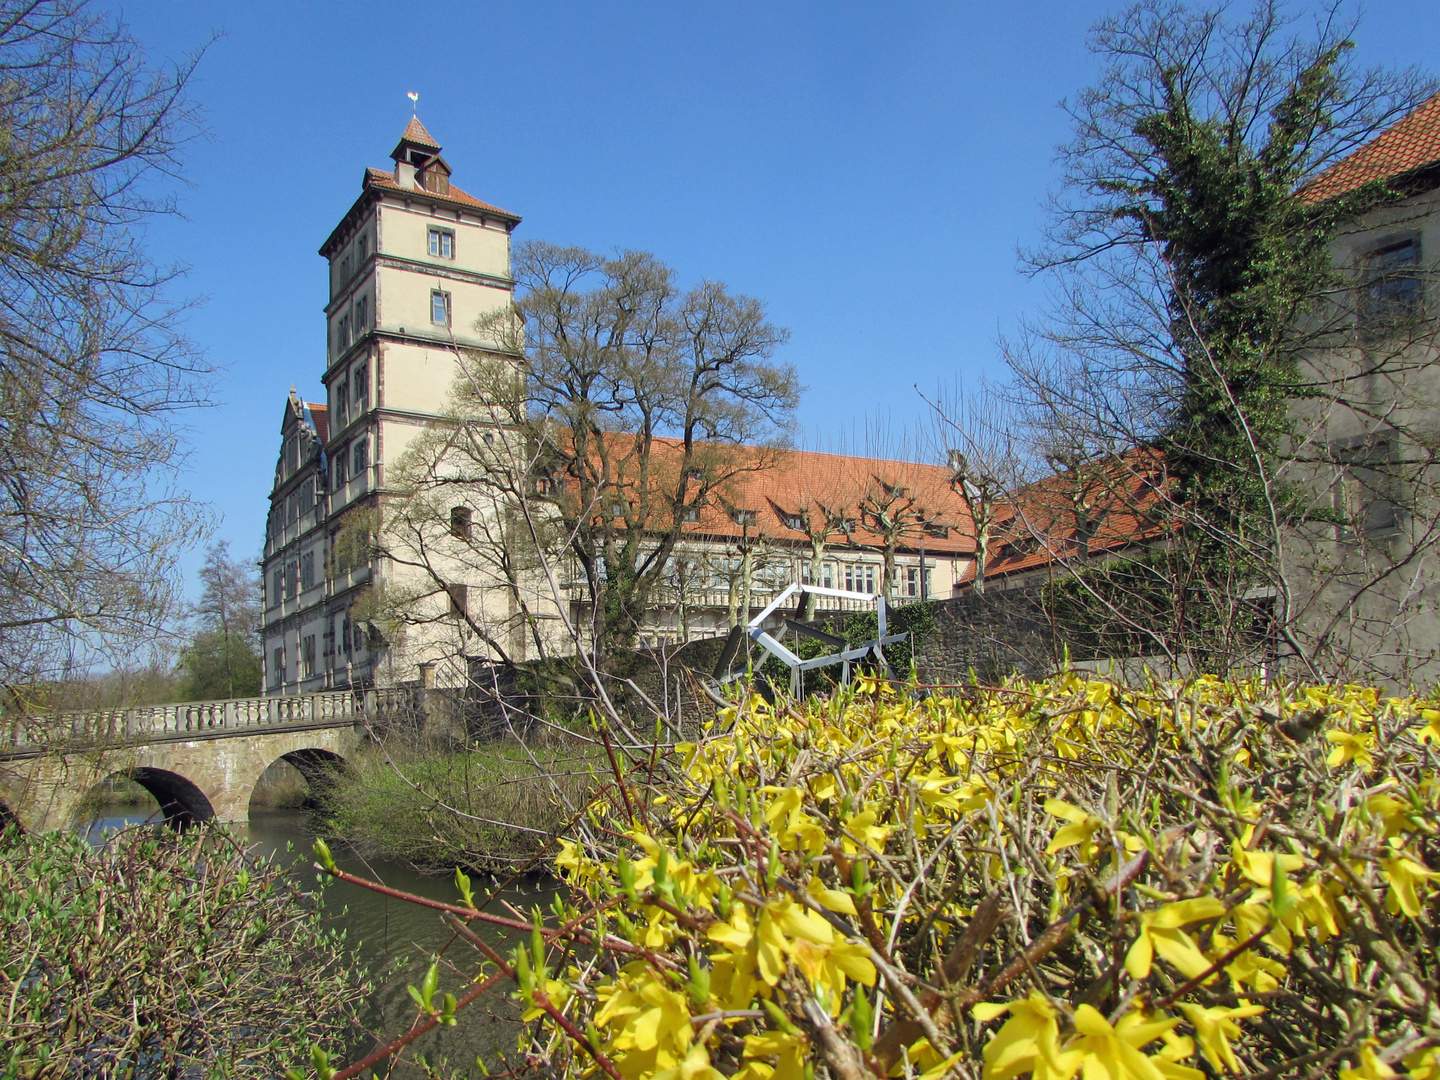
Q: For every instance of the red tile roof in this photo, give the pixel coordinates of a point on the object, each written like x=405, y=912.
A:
x=1039, y=526
x=1410, y=144
x=320, y=417
x=786, y=483
x=385, y=179
x=415, y=133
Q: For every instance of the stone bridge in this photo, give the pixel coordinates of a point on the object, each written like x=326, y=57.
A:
x=200, y=760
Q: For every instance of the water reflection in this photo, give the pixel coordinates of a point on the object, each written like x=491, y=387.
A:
x=395, y=939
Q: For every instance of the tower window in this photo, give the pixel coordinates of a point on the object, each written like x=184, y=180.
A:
x=460, y=522
x=360, y=456
x=360, y=380
x=442, y=243
x=440, y=308
x=459, y=600
x=342, y=394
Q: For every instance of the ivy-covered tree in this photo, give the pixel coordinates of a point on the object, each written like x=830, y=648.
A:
x=1196, y=274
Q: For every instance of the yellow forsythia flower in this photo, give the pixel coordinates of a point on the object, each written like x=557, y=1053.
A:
x=1350, y=746
x=1028, y=1042
x=1407, y=878
x=1215, y=1028
x=1371, y=1067
x=1160, y=933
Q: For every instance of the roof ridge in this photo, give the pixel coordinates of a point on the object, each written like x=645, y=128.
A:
x=1411, y=143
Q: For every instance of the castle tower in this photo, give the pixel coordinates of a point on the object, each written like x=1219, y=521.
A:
x=413, y=264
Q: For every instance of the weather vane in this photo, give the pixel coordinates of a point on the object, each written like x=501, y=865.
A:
x=414, y=101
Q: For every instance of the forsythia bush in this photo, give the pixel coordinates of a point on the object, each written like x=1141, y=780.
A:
x=1058, y=879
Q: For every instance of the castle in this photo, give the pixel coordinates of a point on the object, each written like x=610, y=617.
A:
x=414, y=264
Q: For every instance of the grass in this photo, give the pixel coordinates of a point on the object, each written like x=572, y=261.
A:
x=510, y=799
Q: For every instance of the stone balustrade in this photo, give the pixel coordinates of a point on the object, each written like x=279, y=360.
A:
x=205, y=719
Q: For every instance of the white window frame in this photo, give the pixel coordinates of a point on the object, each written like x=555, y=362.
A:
x=449, y=313
x=436, y=243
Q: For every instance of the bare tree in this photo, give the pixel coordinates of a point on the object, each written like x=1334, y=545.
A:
x=640, y=403
x=93, y=367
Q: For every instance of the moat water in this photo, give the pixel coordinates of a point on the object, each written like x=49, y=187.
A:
x=396, y=940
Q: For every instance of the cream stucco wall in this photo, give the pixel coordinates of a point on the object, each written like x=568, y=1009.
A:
x=1367, y=601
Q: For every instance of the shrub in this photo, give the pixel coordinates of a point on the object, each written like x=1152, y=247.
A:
x=160, y=957
x=1174, y=881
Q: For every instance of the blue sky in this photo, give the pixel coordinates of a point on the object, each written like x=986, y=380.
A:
x=868, y=170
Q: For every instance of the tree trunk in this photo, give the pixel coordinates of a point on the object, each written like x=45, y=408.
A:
x=817, y=566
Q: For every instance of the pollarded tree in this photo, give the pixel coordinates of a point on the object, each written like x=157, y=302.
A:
x=92, y=364
x=974, y=434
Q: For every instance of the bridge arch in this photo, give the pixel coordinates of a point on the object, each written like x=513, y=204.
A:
x=318, y=767
x=181, y=801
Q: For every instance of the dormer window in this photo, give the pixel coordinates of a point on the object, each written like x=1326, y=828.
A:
x=743, y=517
x=939, y=532
x=442, y=243
x=435, y=180
x=793, y=521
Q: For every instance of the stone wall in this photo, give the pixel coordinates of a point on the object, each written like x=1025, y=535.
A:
x=992, y=634
x=986, y=637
